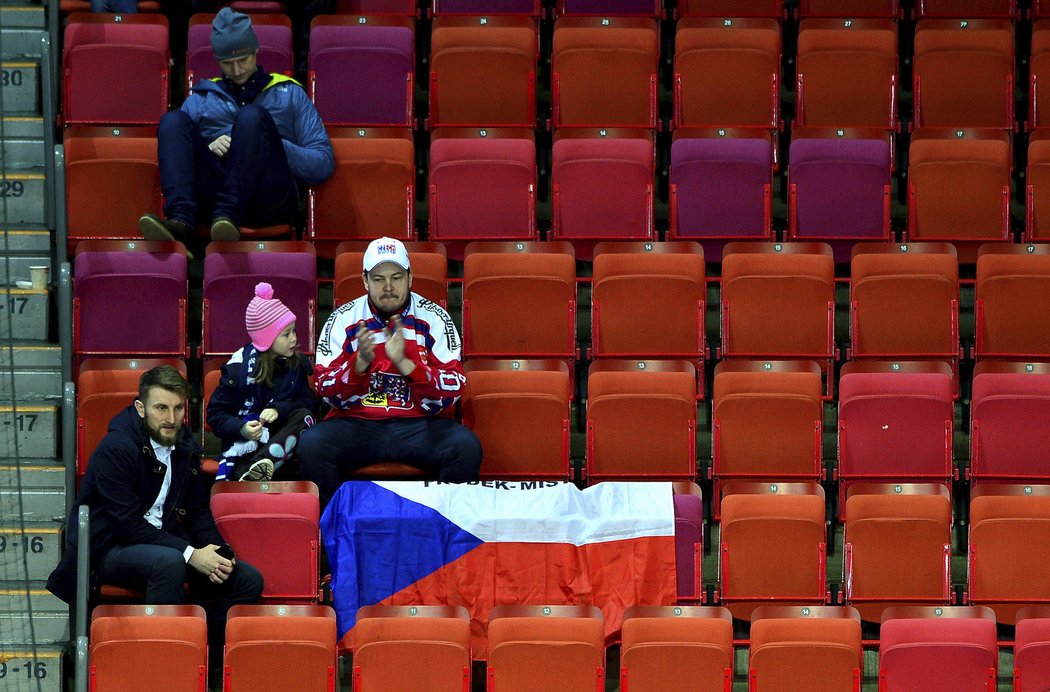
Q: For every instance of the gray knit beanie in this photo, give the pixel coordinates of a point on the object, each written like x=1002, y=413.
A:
x=232, y=35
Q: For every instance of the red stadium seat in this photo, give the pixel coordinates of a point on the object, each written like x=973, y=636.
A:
x=128, y=53
x=287, y=552
x=772, y=546
x=168, y=642
x=372, y=192
x=817, y=649
x=897, y=543
x=944, y=648
x=676, y=647
x=408, y=648
x=519, y=409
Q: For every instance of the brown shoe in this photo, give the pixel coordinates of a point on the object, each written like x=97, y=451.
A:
x=152, y=227
x=224, y=229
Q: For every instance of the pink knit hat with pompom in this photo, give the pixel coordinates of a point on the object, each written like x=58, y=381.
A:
x=266, y=317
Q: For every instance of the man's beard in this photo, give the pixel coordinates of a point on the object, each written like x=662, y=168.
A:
x=156, y=434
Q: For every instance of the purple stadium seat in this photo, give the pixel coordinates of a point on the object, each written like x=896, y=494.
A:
x=938, y=648
x=275, y=46
x=895, y=423
x=231, y=271
x=602, y=186
x=1008, y=434
x=531, y=8
x=129, y=56
x=721, y=187
x=688, y=540
x=129, y=298
x=483, y=185
x=361, y=69
x=839, y=186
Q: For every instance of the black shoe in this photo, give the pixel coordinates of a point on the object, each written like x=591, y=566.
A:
x=224, y=229
x=152, y=227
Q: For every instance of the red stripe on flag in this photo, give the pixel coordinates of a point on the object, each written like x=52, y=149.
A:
x=611, y=575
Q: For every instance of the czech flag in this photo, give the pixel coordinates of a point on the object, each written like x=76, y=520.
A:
x=488, y=543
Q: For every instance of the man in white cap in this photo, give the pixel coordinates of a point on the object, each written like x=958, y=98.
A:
x=388, y=363
x=242, y=147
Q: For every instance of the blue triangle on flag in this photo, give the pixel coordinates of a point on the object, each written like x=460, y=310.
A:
x=378, y=543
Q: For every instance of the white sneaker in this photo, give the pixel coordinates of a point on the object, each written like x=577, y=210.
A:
x=261, y=470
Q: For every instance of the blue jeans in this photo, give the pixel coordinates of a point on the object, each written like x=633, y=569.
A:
x=252, y=185
x=161, y=572
x=340, y=445
x=125, y=6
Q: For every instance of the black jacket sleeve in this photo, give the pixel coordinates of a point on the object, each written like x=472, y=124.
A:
x=225, y=401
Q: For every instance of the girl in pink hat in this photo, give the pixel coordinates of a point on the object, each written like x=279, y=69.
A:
x=263, y=401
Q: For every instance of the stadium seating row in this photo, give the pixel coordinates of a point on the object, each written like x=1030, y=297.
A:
x=895, y=421
x=604, y=70
x=776, y=299
x=772, y=544
x=562, y=647
x=483, y=185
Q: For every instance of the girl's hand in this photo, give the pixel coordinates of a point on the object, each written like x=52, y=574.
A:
x=252, y=430
x=268, y=415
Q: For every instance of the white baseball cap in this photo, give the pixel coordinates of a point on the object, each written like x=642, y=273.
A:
x=386, y=250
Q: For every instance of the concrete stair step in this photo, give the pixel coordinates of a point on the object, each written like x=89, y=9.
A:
x=36, y=369
x=29, y=551
x=17, y=268
x=21, y=15
x=25, y=241
x=23, y=143
x=21, y=42
x=31, y=668
x=34, y=504
x=20, y=87
x=24, y=315
x=43, y=474
x=24, y=193
x=30, y=430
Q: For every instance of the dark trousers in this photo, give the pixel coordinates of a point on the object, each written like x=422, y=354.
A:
x=337, y=446
x=161, y=572
x=282, y=448
x=252, y=185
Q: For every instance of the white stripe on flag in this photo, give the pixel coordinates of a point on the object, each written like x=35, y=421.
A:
x=517, y=511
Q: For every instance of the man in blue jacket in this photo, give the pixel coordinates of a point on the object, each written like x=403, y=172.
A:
x=151, y=524
x=241, y=148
